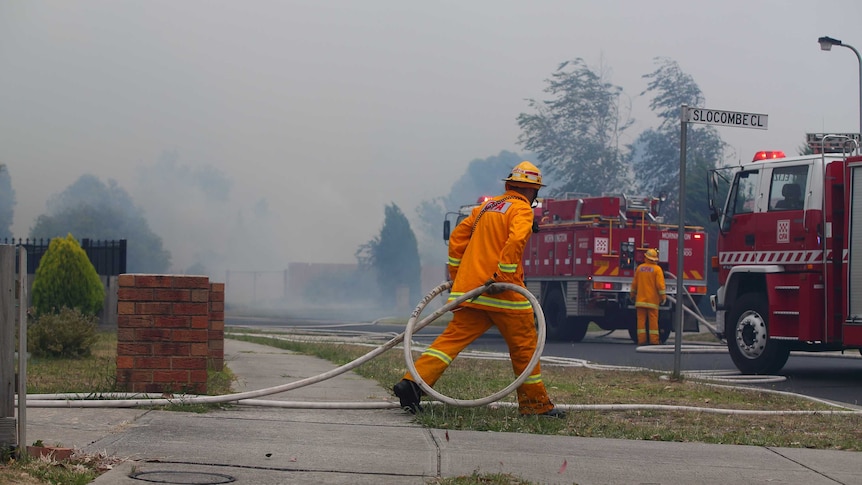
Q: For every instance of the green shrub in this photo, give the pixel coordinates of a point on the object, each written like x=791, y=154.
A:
x=66, y=278
x=69, y=333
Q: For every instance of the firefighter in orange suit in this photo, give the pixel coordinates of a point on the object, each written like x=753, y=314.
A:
x=488, y=245
x=648, y=292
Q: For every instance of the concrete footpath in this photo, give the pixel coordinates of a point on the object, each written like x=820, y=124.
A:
x=269, y=445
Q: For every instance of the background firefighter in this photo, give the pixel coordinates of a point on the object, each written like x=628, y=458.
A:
x=488, y=246
x=648, y=292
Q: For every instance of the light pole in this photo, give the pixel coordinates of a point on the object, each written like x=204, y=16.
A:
x=826, y=44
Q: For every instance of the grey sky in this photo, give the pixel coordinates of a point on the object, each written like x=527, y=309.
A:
x=332, y=109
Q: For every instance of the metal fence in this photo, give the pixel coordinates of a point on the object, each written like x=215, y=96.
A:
x=108, y=257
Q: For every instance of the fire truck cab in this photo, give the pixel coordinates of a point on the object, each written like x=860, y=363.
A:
x=785, y=255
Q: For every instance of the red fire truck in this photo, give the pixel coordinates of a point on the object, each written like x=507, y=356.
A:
x=788, y=266
x=581, y=260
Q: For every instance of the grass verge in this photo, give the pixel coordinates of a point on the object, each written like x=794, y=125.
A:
x=472, y=379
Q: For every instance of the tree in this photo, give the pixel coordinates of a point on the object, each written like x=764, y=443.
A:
x=655, y=153
x=7, y=202
x=394, y=257
x=94, y=210
x=576, y=133
x=66, y=278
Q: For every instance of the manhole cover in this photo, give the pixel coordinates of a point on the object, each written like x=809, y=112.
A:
x=186, y=478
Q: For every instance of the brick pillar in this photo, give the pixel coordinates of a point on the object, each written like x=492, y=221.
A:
x=216, y=326
x=163, y=333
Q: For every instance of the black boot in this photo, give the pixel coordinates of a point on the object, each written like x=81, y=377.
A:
x=409, y=393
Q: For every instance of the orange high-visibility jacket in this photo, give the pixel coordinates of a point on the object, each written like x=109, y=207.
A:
x=648, y=289
x=492, y=247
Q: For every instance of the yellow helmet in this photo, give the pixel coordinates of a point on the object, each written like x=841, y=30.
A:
x=651, y=255
x=525, y=174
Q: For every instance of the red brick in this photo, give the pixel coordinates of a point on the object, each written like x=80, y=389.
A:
x=125, y=362
x=134, y=294
x=216, y=325
x=198, y=376
x=141, y=376
x=125, y=308
x=152, y=362
x=217, y=306
x=163, y=321
x=216, y=335
x=189, y=335
x=172, y=349
x=216, y=345
x=200, y=349
x=172, y=295
x=153, y=334
x=136, y=321
x=153, y=308
x=134, y=349
x=217, y=287
x=190, y=309
x=217, y=316
x=125, y=334
x=188, y=363
x=153, y=281
x=217, y=296
x=126, y=279
x=201, y=282
x=199, y=296
x=180, y=377
x=200, y=321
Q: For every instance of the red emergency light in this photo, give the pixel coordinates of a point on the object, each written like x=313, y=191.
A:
x=768, y=155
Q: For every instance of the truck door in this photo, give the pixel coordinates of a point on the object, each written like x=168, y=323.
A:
x=737, y=246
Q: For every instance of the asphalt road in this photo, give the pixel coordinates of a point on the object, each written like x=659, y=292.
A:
x=830, y=376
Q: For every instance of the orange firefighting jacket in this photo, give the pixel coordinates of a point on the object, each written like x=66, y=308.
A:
x=648, y=289
x=488, y=244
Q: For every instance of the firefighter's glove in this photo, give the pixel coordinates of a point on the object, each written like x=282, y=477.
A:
x=663, y=301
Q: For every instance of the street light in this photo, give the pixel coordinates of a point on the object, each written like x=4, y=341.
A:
x=826, y=44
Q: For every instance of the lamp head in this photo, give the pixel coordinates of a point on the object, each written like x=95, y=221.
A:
x=826, y=43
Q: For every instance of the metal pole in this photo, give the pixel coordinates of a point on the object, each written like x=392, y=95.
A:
x=680, y=250
x=23, y=300
x=858, y=58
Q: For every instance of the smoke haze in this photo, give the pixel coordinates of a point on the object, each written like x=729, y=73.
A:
x=254, y=134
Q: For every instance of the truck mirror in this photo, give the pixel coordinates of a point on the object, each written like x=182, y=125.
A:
x=446, y=230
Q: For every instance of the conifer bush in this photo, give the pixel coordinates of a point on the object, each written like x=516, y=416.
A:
x=66, y=278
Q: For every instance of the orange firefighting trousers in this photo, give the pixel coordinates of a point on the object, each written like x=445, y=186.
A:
x=648, y=334
x=467, y=325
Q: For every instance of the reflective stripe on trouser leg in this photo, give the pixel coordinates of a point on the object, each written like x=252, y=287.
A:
x=519, y=331
x=466, y=326
x=641, y=325
x=652, y=314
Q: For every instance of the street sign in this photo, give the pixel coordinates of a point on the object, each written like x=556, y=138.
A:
x=725, y=118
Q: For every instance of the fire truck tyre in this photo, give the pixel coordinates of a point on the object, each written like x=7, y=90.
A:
x=555, y=316
x=747, y=333
x=578, y=328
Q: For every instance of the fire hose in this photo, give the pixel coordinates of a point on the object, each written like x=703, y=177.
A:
x=127, y=400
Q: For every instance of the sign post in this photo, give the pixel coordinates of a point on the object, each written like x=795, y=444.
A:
x=708, y=117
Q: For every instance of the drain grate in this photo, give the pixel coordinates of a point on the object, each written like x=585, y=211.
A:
x=182, y=478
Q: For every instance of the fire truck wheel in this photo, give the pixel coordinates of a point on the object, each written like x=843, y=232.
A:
x=747, y=333
x=555, y=316
x=578, y=327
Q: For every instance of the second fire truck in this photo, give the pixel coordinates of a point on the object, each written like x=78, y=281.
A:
x=581, y=260
x=790, y=254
